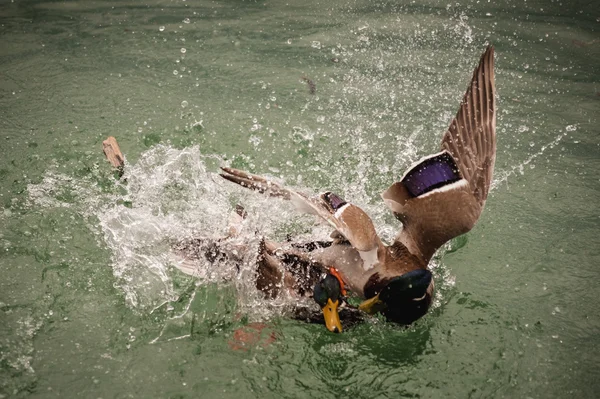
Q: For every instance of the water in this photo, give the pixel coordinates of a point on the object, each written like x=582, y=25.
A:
x=90, y=303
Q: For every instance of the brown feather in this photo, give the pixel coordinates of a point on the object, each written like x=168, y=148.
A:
x=471, y=137
x=430, y=219
x=433, y=218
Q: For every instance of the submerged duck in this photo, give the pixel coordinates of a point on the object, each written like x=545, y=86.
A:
x=440, y=197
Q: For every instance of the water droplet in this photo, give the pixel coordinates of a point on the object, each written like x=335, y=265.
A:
x=183, y=50
x=186, y=21
x=531, y=144
x=175, y=72
x=161, y=28
x=184, y=104
x=139, y=129
x=254, y=140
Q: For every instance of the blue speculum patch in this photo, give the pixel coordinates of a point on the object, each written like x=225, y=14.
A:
x=334, y=201
x=432, y=173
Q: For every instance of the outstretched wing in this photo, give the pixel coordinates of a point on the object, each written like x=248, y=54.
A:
x=442, y=195
x=471, y=137
x=348, y=219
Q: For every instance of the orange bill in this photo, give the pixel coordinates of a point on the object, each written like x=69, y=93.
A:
x=332, y=318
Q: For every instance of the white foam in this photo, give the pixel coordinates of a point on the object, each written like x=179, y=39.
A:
x=173, y=196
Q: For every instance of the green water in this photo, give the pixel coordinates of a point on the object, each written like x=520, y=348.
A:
x=89, y=306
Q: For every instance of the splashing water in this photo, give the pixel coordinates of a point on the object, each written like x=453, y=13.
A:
x=520, y=168
x=169, y=196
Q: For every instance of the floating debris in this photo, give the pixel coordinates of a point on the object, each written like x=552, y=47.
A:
x=312, y=87
x=113, y=154
x=579, y=43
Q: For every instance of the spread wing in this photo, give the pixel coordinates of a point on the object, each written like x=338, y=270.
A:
x=442, y=195
x=348, y=219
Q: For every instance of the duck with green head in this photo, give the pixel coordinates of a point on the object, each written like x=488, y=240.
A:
x=328, y=295
x=440, y=197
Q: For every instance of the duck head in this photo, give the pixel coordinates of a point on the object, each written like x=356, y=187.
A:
x=328, y=293
x=404, y=299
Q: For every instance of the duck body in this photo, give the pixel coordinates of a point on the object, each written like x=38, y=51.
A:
x=293, y=269
x=440, y=197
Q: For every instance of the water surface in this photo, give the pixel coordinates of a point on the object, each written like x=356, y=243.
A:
x=90, y=303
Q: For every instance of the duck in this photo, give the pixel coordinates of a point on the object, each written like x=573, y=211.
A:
x=439, y=197
x=279, y=274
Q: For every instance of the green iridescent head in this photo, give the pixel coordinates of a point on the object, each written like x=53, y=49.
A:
x=404, y=299
x=327, y=293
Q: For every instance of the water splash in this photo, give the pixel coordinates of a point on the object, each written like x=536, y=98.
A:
x=168, y=196
x=520, y=168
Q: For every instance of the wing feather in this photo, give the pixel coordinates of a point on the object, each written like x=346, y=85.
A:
x=348, y=219
x=471, y=137
x=442, y=213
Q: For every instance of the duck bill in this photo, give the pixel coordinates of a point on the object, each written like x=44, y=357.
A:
x=332, y=318
x=372, y=305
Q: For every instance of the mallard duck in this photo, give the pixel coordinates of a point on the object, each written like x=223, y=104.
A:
x=440, y=197
x=279, y=273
